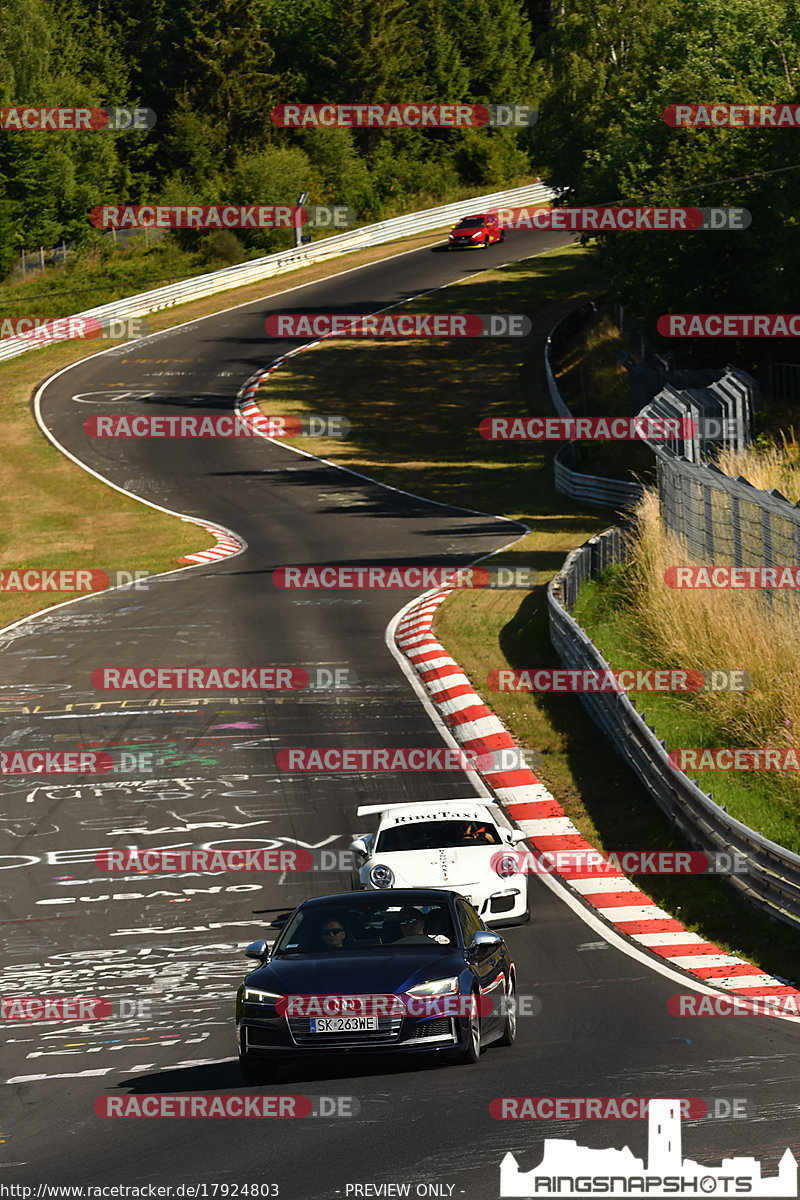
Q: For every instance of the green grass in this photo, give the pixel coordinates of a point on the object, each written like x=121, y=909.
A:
x=759, y=799
x=52, y=513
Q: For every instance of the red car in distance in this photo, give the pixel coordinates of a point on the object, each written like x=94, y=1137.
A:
x=479, y=230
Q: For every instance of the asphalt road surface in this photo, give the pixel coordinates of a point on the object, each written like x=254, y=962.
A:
x=175, y=941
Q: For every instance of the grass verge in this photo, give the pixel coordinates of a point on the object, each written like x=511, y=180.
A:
x=412, y=428
x=53, y=514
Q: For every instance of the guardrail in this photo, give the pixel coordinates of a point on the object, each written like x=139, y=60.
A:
x=287, y=260
x=591, y=489
x=773, y=880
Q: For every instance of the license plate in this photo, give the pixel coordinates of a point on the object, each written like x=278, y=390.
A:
x=342, y=1024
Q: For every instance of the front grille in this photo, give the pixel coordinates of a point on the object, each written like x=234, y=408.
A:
x=439, y=1027
x=501, y=904
x=259, y=1036
x=388, y=1031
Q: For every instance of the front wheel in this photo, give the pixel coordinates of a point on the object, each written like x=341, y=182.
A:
x=472, y=1051
x=510, y=1004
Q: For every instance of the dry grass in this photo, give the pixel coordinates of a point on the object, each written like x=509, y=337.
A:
x=767, y=466
x=713, y=629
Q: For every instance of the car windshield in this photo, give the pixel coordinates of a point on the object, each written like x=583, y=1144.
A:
x=437, y=835
x=364, y=923
x=469, y=223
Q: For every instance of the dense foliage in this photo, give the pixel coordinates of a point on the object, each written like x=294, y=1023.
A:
x=212, y=73
x=613, y=66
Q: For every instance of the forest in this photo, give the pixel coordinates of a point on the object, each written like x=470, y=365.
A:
x=599, y=72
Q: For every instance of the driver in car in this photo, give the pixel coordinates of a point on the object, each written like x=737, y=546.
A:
x=412, y=923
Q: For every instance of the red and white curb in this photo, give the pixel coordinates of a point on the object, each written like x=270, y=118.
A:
x=528, y=802
x=227, y=544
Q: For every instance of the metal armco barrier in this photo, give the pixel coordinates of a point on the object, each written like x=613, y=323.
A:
x=591, y=489
x=773, y=881
x=287, y=260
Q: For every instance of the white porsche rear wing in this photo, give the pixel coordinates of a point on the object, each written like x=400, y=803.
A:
x=365, y=809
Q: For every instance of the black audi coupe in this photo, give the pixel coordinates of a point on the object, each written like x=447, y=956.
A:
x=411, y=970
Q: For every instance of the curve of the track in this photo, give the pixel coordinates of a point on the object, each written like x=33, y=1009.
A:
x=176, y=941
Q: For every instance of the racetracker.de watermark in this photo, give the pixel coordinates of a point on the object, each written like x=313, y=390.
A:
x=586, y=429
x=406, y=758
x=201, y=679
x=650, y=679
x=606, y=219
x=356, y=578
x=133, y=859
x=711, y=577
x=72, y=1008
x=692, y=1004
x=628, y=862
x=372, y=1004
x=729, y=325
x=739, y=116
x=221, y=216
x=739, y=758
x=42, y=330
x=69, y=120
x=398, y=325
x=77, y=579
x=227, y=425
x=198, y=1105
x=49, y=762
x=609, y=1108
x=207, y=861
x=402, y=115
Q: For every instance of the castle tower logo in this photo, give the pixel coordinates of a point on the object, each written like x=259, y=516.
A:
x=568, y=1169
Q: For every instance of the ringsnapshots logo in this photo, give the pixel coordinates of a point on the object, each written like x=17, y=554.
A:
x=402, y=115
x=729, y=325
x=736, y=116
x=587, y=429
x=567, y=679
x=221, y=216
x=567, y=1169
x=233, y=425
x=608, y=219
x=71, y=120
x=394, y=325
x=724, y=577
x=739, y=758
x=82, y=580
x=411, y=578
x=40, y=331
x=591, y=862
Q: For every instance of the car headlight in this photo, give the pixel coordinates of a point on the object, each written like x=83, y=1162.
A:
x=435, y=987
x=381, y=876
x=507, y=866
x=261, y=997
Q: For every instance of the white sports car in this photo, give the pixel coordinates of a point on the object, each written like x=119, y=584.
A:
x=455, y=844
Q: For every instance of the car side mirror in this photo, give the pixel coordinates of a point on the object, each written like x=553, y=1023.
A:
x=484, y=942
x=519, y=835
x=257, y=950
x=359, y=846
